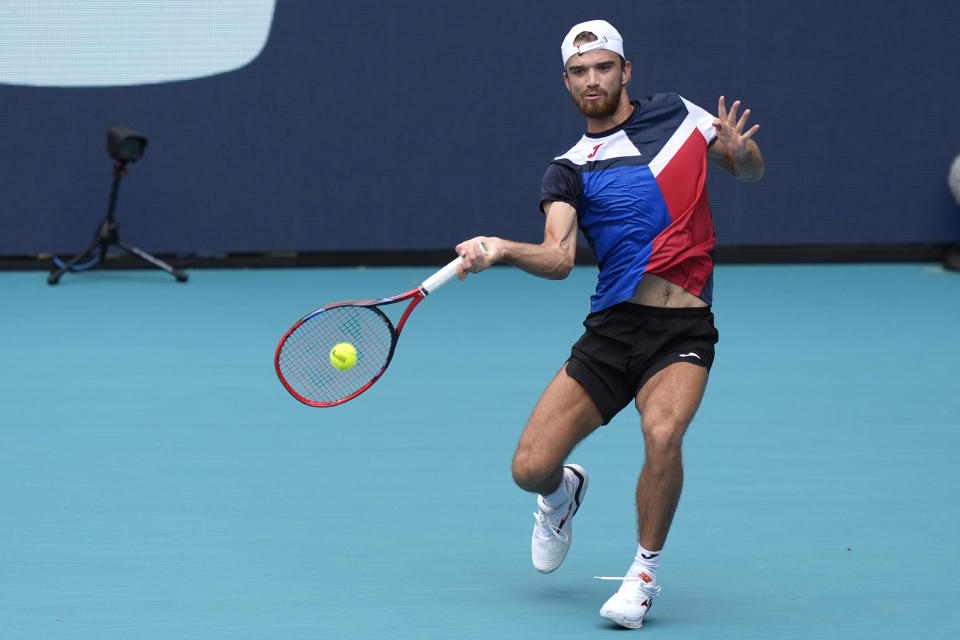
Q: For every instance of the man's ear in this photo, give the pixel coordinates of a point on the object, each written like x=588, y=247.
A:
x=566, y=81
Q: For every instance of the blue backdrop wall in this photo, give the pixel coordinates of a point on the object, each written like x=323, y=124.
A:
x=413, y=124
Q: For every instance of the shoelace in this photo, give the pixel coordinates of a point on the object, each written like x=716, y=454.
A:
x=546, y=528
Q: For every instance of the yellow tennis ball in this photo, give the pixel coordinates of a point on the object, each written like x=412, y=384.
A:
x=343, y=356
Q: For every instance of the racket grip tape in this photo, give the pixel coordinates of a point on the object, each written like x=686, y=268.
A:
x=443, y=276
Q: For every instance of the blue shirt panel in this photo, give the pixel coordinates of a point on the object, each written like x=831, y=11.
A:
x=621, y=212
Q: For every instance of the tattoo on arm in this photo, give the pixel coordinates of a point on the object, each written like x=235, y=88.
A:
x=748, y=166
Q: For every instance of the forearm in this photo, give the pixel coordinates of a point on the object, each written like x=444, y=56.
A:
x=552, y=259
x=747, y=163
x=553, y=262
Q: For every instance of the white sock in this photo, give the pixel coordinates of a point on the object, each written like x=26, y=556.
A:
x=559, y=496
x=646, y=562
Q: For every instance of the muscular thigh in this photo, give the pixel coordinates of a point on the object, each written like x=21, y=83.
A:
x=670, y=399
x=564, y=415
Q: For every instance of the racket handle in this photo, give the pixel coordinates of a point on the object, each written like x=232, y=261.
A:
x=443, y=276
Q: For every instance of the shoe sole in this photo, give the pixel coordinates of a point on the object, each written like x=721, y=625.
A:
x=623, y=621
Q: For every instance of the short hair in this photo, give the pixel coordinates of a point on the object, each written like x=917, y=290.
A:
x=585, y=36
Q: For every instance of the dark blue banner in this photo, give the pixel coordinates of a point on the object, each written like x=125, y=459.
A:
x=320, y=126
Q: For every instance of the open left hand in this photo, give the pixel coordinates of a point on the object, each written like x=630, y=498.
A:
x=730, y=130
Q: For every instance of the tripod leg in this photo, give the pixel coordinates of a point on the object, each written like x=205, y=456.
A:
x=160, y=264
x=55, y=275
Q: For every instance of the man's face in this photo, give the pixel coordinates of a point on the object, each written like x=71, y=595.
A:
x=596, y=80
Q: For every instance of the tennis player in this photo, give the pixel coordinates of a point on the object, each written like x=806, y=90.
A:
x=635, y=186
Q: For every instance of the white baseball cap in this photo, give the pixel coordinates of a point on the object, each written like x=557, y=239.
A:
x=607, y=38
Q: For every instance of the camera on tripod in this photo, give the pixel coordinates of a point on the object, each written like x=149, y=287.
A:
x=124, y=145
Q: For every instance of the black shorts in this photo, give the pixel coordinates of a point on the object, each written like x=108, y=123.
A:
x=626, y=344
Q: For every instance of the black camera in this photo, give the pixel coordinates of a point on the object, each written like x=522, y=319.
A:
x=125, y=144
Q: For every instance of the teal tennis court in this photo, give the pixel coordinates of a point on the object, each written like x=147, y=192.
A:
x=158, y=482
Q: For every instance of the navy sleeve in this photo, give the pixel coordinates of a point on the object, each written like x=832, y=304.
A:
x=562, y=183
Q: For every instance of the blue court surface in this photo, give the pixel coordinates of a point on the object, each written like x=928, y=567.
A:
x=156, y=481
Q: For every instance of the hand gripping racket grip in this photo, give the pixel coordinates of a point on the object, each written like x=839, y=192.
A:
x=443, y=276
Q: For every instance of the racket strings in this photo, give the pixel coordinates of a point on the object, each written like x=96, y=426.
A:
x=304, y=358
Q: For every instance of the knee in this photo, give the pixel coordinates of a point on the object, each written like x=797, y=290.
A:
x=663, y=437
x=529, y=473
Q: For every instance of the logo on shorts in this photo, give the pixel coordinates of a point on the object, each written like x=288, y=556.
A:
x=688, y=355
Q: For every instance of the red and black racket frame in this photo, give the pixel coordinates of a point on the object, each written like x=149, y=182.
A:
x=414, y=295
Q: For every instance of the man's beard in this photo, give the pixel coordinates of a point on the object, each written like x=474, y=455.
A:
x=599, y=109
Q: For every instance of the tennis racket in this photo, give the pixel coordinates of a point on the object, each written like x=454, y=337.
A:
x=302, y=359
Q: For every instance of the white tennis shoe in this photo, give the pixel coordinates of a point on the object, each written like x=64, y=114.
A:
x=553, y=532
x=630, y=604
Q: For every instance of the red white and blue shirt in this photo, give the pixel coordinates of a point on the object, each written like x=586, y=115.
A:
x=640, y=194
